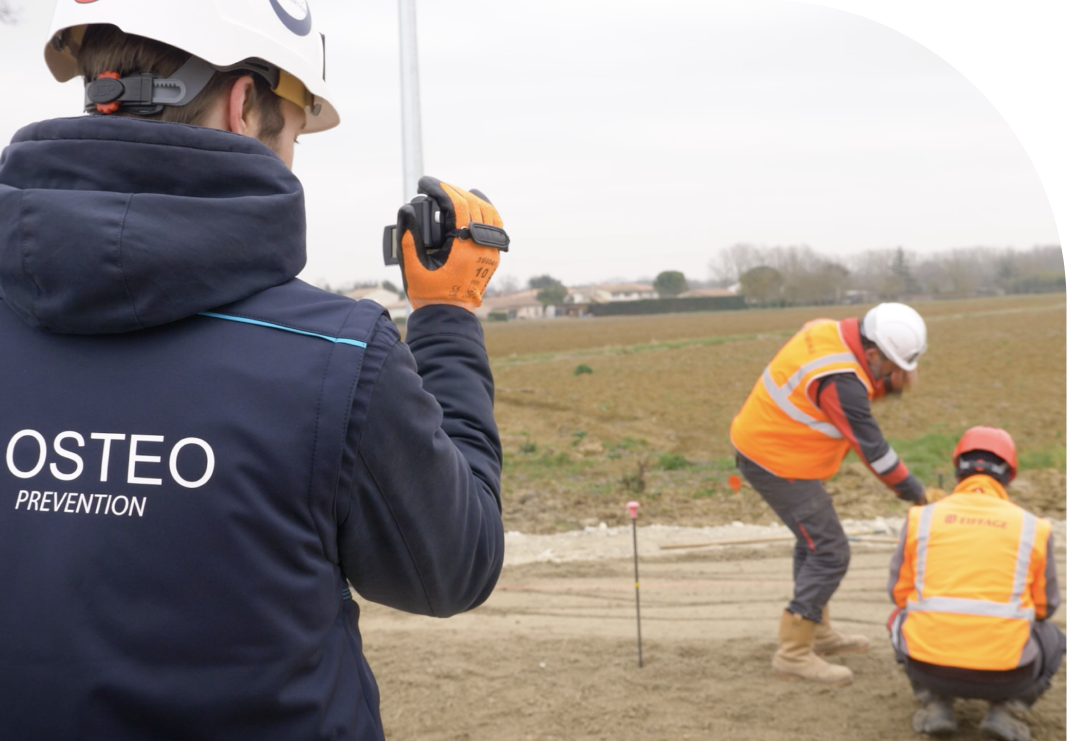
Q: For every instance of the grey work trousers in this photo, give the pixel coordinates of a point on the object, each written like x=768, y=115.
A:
x=821, y=555
x=1026, y=683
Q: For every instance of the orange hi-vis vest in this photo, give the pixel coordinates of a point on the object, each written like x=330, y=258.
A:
x=972, y=579
x=779, y=427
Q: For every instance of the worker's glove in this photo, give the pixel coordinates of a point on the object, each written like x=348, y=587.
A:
x=910, y=490
x=918, y=500
x=457, y=272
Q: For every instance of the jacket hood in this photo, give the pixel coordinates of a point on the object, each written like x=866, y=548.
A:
x=114, y=224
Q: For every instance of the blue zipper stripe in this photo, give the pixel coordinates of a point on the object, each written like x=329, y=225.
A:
x=256, y=322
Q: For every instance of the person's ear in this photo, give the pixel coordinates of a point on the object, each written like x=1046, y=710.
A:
x=240, y=93
x=874, y=358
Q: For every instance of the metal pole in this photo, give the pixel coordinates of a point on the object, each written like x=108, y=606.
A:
x=411, y=115
x=632, y=506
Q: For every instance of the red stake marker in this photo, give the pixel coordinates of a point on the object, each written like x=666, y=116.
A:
x=632, y=507
x=735, y=482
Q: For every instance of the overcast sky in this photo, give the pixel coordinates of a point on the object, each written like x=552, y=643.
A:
x=622, y=138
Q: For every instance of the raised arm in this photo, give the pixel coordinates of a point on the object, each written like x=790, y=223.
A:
x=423, y=531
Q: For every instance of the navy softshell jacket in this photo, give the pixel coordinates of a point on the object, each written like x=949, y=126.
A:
x=202, y=452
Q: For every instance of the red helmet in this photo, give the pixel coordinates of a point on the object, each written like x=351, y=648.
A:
x=992, y=440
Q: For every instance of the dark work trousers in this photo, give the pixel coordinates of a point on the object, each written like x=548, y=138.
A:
x=1027, y=683
x=821, y=555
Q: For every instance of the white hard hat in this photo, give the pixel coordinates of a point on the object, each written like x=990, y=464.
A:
x=898, y=331
x=224, y=33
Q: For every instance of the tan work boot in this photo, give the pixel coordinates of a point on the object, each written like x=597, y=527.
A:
x=795, y=658
x=829, y=642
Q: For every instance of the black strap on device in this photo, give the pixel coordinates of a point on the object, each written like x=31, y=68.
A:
x=428, y=215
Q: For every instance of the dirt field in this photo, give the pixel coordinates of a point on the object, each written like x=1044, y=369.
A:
x=662, y=390
x=552, y=655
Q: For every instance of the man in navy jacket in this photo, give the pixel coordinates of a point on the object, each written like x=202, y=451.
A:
x=201, y=451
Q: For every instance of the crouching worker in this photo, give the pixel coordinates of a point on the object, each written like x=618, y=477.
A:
x=974, y=579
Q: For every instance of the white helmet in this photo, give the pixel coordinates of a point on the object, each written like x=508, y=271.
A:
x=898, y=331
x=224, y=33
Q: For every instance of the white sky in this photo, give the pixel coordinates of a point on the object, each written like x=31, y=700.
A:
x=624, y=138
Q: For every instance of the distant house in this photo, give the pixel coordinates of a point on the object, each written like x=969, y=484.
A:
x=607, y=292
x=518, y=305
x=626, y=291
x=398, y=307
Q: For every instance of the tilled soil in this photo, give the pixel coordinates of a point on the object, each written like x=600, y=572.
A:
x=546, y=507
x=671, y=384
x=552, y=655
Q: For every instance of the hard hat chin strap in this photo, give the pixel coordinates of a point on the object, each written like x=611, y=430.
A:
x=145, y=94
x=1002, y=471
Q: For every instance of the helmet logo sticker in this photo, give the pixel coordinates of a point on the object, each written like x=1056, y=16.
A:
x=295, y=14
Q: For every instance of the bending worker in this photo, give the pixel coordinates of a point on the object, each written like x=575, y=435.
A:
x=203, y=452
x=813, y=403
x=974, y=580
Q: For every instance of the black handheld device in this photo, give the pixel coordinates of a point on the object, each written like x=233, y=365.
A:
x=428, y=214
x=431, y=230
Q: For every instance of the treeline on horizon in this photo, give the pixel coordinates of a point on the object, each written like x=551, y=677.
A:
x=801, y=276
x=792, y=276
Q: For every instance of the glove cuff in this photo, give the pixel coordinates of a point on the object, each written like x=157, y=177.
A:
x=417, y=303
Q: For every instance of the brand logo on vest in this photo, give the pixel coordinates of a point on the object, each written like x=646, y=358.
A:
x=954, y=520
x=28, y=453
x=295, y=14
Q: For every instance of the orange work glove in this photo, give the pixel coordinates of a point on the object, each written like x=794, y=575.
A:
x=457, y=272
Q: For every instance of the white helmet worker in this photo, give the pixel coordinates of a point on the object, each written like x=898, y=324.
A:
x=898, y=331
x=227, y=34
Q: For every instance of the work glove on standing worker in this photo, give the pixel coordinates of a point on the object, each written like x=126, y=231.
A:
x=458, y=272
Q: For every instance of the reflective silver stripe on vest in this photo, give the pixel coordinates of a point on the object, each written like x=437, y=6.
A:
x=1011, y=610
x=796, y=378
x=780, y=394
x=1022, y=558
x=959, y=606
x=922, y=538
x=886, y=463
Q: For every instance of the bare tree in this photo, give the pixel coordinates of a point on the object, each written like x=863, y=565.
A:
x=728, y=265
x=509, y=284
x=800, y=276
